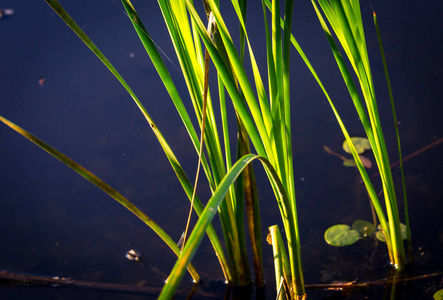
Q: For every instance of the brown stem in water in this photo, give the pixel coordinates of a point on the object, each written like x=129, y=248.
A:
x=433, y=144
x=38, y=280
x=327, y=149
x=368, y=284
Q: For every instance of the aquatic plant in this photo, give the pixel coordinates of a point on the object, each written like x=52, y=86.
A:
x=361, y=145
x=345, y=19
x=343, y=235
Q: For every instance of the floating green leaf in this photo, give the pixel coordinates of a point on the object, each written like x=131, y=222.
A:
x=361, y=145
x=381, y=237
x=349, y=162
x=365, y=228
x=341, y=235
x=438, y=295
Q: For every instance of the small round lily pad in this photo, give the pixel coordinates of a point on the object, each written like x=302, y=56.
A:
x=361, y=144
x=438, y=295
x=365, y=228
x=341, y=235
x=381, y=237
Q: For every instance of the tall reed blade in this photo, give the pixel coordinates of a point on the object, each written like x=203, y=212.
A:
x=391, y=97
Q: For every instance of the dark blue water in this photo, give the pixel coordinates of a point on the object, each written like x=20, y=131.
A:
x=55, y=223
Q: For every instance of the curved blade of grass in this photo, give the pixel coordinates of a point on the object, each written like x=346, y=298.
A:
x=208, y=214
x=104, y=187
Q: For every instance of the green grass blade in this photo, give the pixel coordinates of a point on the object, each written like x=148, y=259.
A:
x=104, y=187
x=277, y=102
x=391, y=97
x=290, y=185
x=261, y=93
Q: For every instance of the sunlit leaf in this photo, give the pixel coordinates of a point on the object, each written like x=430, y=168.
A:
x=438, y=295
x=365, y=228
x=349, y=163
x=381, y=237
x=341, y=235
x=361, y=145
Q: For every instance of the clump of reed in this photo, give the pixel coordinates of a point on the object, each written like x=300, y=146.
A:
x=263, y=126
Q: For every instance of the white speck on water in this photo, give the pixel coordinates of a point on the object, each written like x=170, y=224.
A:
x=4, y=12
x=131, y=55
x=42, y=81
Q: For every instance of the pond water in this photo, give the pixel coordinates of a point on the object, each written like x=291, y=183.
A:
x=55, y=223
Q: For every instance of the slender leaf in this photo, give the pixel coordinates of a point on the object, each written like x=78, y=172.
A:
x=104, y=187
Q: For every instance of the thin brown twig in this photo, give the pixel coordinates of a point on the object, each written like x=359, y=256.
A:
x=368, y=284
x=39, y=280
x=425, y=148
x=203, y=122
x=328, y=150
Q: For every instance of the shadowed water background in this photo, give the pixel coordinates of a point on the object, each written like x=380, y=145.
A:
x=55, y=223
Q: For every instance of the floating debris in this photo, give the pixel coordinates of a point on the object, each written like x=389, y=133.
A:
x=181, y=240
x=42, y=81
x=133, y=255
x=6, y=12
x=339, y=285
x=131, y=55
